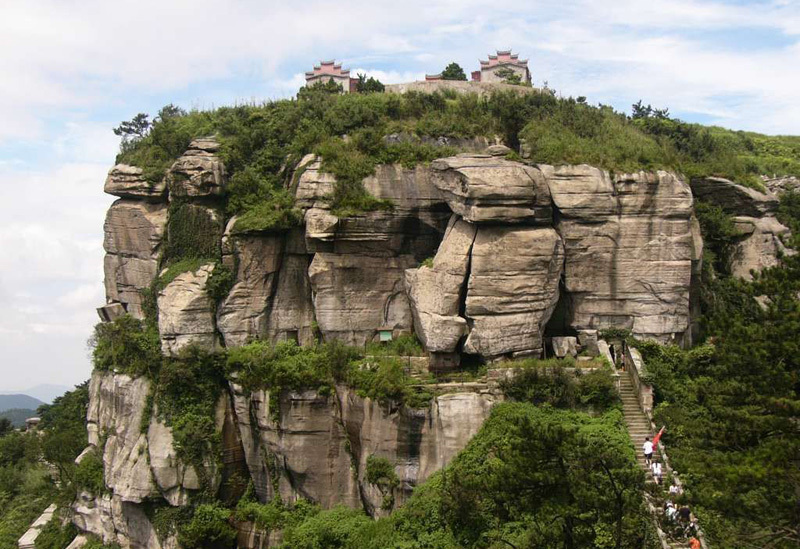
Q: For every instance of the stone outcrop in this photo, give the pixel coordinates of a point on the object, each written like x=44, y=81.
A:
x=778, y=185
x=489, y=189
x=127, y=181
x=629, y=250
x=133, y=233
x=512, y=289
x=186, y=312
x=761, y=245
x=350, y=429
x=734, y=199
x=436, y=293
x=199, y=172
x=242, y=314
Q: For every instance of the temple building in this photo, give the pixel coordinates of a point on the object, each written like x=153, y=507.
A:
x=496, y=63
x=503, y=60
x=330, y=70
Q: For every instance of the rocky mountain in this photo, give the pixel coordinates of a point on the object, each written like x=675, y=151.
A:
x=483, y=256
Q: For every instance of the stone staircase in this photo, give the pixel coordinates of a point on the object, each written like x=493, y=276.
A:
x=639, y=428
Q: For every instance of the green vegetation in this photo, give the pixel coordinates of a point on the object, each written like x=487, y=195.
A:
x=380, y=472
x=26, y=485
x=404, y=345
x=546, y=382
x=186, y=393
x=453, y=71
x=532, y=477
x=193, y=232
x=731, y=405
x=89, y=474
x=126, y=345
x=56, y=535
x=287, y=366
x=209, y=528
x=509, y=76
x=369, y=85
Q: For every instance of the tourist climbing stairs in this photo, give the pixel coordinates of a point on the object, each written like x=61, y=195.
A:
x=639, y=428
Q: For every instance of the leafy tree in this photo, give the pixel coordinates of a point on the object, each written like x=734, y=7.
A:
x=325, y=88
x=370, y=85
x=453, y=71
x=509, y=76
x=209, y=528
x=5, y=426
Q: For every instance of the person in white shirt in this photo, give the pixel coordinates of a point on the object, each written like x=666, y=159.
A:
x=656, y=467
x=674, y=490
x=648, y=450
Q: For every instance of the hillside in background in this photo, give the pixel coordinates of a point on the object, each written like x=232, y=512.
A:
x=8, y=402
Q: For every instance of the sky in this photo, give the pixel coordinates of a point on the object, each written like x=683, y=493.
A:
x=72, y=70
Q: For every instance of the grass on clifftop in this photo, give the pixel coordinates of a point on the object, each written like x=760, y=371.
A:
x=261, y=144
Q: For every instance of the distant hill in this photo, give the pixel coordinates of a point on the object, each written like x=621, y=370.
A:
x=17, y=416
x=45, y=392
x=10, y=402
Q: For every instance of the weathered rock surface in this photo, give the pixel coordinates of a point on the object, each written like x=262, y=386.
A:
x=734, y=199
x=350, y=429
x=128, y=182
x=778, y=185
x=356, y=295
x=114, y=520
x=290, y=314
x=761, y=247
x=436, y=293
x=133, y=233
x=116, y=405
x=484, y=188
x=186, y=312
x=565, y=346
x=512, y=288
x=629, y=249
x=198, y=172
x=242, y=314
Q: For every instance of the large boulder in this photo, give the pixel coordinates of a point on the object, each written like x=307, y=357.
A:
x=242, y=314
x=761, y=246
x=186, y=312
x=734, y=199
x=436, y=292
x=629, y=249
x=133, y=234
x=512, y=289
x=490, y=189
x=198, y=172
x=129, y=182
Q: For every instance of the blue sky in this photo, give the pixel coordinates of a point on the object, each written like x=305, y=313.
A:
x=72, y=70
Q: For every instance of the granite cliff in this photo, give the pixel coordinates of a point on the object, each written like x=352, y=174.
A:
x=482, y=257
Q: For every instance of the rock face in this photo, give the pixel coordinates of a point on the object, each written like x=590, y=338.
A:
x=199, y=172
x=512, y=289
x=628, y=243
x=436, y=292
x=484, y=188
x=128, y=182
x=186, y=312
x=734, y=199
x=351, y=429
x=133, y=233
x=478, y=255
x=761, y=245
x=242, y=315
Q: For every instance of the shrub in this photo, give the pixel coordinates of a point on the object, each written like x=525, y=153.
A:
x=126, y=345
x=330, y=530
x=56, y=535
x=89, y=474
x=209, y=528
x=193, y=231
